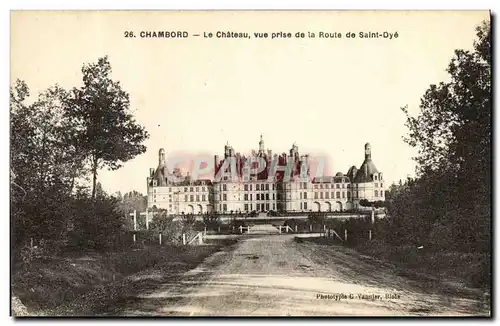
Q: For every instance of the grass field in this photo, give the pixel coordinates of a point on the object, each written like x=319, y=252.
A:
x=83, y=284
x=469, y=269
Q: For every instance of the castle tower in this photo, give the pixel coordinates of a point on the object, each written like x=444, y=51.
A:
x=161, y=157
x=368, y=151
x=261, y=145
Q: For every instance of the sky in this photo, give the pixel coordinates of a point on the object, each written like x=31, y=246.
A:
x=328, y=95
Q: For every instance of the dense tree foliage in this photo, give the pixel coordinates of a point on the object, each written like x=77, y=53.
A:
x=52, y=138
x=106, y=131
x=448, y=205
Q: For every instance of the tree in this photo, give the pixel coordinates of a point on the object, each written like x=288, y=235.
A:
x=452, y=133
x=107, y=133
x=44, y=161
x=453, y=130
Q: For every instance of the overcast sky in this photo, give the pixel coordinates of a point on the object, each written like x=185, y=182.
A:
x=330, y=96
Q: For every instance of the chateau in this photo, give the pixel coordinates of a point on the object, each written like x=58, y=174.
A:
x=281, y=183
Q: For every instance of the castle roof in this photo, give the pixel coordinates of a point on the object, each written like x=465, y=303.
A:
x=366, y=171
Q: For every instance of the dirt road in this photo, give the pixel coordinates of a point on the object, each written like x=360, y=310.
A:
x=276, y=276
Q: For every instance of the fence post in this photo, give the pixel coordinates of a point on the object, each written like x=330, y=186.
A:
x=134, y=238
x=135, y=221
x=200, y=238
x=286, y=229
x=241, y=229
x=280, y=228
x=184, y=238
x=345, y=235
x=370, y=235
x=310, y=228
x=218, y=229
x=295, y=228
x=160, y=239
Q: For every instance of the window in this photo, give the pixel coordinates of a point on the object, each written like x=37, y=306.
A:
x=305, y=195
x=375, y=176
x=267, y=186
x=274, y=207
x=185, y=189
x=258, y=196
x=224, y=197
x=224, y=207
x=154, y=190
x=197, y=197
x=343, y=194
x=246, y=207
x=326, y=195
x=197, y=189
x=185, y=197
x=301, y=206
x=321, y=186
x=246, y=196
x=274, y=196
x=321, y=195
x=274, y=186
x=257, y=187
x=305, y=185
x=376, y=184
x=250, y=187
x=381, y=193
x=267, y=196
x=250, y=196
x=315, y=186
x=251, y=206
x=258, y=207
x=267, y=206
x=315, y=195
x=337, y=186
x=203, y=197
x=246, y=187
x=348, y=186
x=301, y=196
x=305, y=205
x=348, y=194
x=376, y=193
x=191, y=198
x=203, y=189
x=169, y=189
x=191, y=189
x=338, y=194
x=224, y=187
